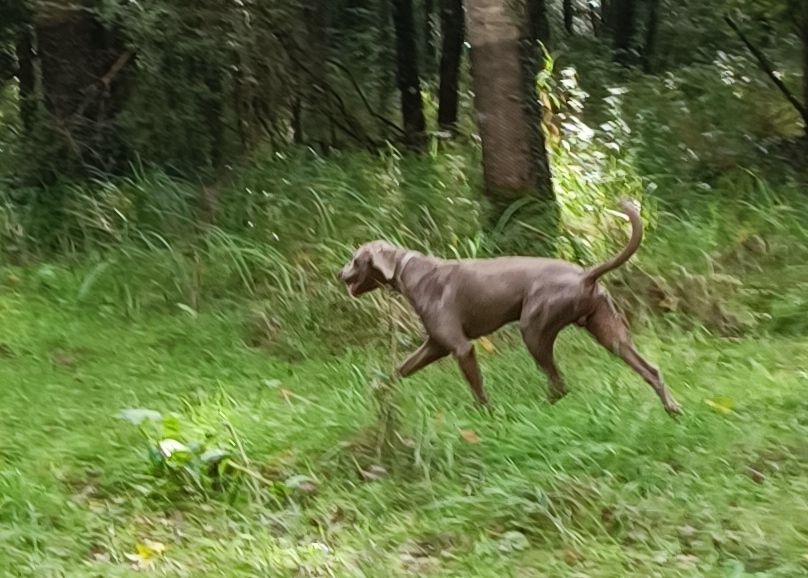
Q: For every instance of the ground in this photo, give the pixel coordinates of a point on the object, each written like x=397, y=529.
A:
x=602, y=484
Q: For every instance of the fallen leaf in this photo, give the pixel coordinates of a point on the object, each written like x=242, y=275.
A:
x=687, y=560
x=570, y=556
x=303, y=484
x=63, y=358
x=720, y=404
x=149, y=549
x=513, y=541
x=756, y=475
x=486, y=344
x=374, y=473
x=469, y=436
x=145, y=553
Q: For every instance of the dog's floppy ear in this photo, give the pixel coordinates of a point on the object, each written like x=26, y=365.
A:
x=383, y=259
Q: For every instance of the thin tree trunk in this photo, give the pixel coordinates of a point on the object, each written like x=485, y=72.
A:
x=409, y=84
x=384, y=61
x=651, y=26
x=623, y=30
x=568, y=16
x=805, y=59
x=452, y=33
x=26, y=79
x=214, y=117
x=429, y=38
x=539, y=21
x=297, y=122
x=605, y=17
x=503, y=59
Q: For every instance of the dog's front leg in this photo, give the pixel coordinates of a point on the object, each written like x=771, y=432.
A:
x=471, y=371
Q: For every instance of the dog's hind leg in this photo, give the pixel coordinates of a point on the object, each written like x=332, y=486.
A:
x=539, y=332
x=611, y=331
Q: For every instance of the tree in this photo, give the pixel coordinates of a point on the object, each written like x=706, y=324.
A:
x=804, y=29
x=409, y=84
x=568, y=14
x=453, y=34
x=429, y=37
x=82, y=66
x=623, y=19
x=503, y=60
x=651, y=26
x=539, y=21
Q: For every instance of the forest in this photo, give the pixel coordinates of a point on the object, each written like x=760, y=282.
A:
x=188, y=389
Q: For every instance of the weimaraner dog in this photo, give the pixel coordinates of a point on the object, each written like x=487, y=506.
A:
x=461, y=300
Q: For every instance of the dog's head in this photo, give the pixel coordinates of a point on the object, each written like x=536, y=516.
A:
x=372, y=265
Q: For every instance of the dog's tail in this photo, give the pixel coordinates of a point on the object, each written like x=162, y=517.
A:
x=594, y=273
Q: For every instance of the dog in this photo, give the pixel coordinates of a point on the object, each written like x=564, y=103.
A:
x=461, y=300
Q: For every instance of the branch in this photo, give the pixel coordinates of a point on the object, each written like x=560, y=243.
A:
x=92, y=91
x=326, y=90
x=767, y=67
x=364, y=99
x=116, y=67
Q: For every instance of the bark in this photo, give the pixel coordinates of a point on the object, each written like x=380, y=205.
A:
x=453, y=34
x=623, y=19
x=409, y=84
x=503, y=59
x=567, y=8
x=651, y=27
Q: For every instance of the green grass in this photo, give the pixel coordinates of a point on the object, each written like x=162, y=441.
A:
x=603, y=484
x=238, y=336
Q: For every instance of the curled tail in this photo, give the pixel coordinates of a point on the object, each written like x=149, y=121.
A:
x=594, y=273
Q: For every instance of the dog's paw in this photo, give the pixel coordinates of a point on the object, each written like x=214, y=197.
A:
x=674, y=409
x=556, y=395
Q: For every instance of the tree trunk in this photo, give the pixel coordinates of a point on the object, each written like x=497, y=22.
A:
x=409, y=84
x=453, y=34
x=568, y=16
x=214, y=118
x=805, y=59
x=623, y=19
x=384, y=59
x=504, y=64
x=538, y=20
x=25, y=76
x=605, y=17
x=429, y=38
x=649, y=46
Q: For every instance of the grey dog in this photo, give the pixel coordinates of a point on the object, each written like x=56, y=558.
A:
x=461, y=300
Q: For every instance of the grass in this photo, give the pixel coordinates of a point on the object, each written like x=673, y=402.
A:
x=603, y=484
x=246, y=348
x=256, y=382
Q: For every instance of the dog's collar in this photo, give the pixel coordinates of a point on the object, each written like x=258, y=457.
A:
x=402, y=264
